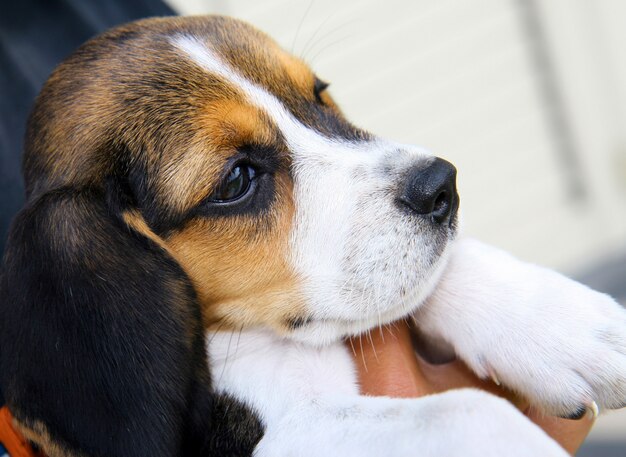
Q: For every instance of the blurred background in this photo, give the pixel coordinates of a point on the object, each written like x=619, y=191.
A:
x=527, y=98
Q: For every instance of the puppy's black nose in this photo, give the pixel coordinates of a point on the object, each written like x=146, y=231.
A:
x=431, y=191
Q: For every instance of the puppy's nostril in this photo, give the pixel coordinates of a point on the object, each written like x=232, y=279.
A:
x=441, y=201
x=441, y=207
x=431, y=191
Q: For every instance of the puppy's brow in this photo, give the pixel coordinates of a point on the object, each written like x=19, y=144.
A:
x=208, y=59
x=205, y=57
x=294, y=132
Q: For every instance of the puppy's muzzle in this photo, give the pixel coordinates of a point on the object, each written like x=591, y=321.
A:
x=431, y=191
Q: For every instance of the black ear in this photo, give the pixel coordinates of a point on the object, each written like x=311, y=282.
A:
x=100, y=333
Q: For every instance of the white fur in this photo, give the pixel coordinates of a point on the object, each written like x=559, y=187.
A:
x=364, y=263
x=557, y=342
x=307, y=399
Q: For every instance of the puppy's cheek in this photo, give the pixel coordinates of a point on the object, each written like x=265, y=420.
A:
x=239, y=272
x=281, y=309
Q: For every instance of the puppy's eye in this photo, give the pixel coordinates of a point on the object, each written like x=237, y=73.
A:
x=237, y=184
x=319, y=86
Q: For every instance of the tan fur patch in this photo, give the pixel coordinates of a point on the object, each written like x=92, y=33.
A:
x=135, y=220
x=239, y=266
x=37, y=433
x=300, y=74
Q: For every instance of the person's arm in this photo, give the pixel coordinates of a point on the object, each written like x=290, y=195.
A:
x=389, y=366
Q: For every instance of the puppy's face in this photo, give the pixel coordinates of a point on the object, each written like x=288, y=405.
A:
x=240, y=165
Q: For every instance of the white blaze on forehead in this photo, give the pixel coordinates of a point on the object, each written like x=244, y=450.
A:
x=296, y=134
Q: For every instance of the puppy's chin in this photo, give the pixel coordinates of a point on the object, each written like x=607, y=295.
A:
x=325, y=331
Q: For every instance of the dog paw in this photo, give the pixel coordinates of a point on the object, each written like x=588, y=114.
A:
x=463, y=422
x=556, y=342
x=568, y=359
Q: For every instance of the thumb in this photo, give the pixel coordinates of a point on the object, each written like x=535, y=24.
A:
x=387, y=365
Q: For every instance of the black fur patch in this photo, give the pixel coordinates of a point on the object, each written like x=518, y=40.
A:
x=298, y=322
x=101, y=337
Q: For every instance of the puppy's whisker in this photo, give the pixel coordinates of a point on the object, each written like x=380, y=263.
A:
x=327, y=36
x=380, y=329
x=225, y=361
x=300, y=24
x=371, y=340
x=311, y=41
x=222, y=322
x=238, y=340
x=395, y=327
x=361, y=347
x=352, y=346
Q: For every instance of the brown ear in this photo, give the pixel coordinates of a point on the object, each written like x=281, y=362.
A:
x=102, y=345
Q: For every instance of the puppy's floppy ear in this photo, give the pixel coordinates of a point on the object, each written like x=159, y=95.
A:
x=102, y=348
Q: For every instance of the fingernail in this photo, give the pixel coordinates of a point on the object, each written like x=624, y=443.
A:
x=493, y=376
x=593, y=408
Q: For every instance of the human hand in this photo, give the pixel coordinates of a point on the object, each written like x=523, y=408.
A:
x=388, y=366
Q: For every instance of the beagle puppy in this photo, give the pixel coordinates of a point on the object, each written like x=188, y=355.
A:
x=193, y=189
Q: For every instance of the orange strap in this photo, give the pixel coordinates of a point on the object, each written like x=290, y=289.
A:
x=11, y=439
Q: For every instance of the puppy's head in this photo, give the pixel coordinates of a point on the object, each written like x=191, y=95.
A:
x=232, y=156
